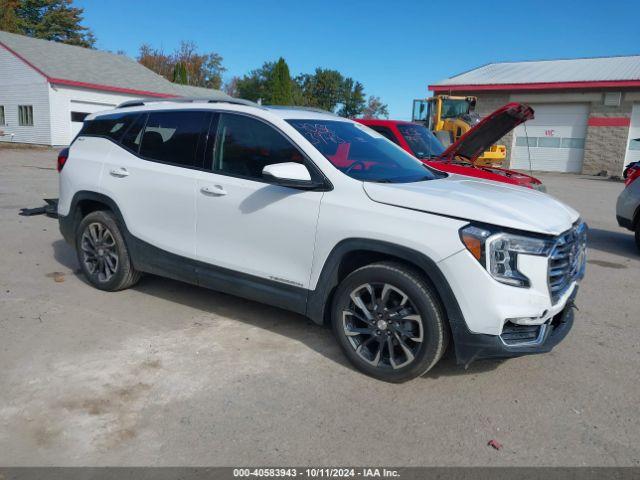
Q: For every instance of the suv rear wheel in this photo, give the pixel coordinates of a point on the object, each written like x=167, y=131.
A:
x=389, y=322
x=103, y=254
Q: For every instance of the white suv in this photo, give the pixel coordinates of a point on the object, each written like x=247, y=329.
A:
x=320, y=215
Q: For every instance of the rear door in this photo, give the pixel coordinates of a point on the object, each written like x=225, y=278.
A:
x=151, y=177
x=245, y=223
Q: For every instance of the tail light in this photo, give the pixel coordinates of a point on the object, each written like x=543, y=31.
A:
x=632, y=174
x=62, y=158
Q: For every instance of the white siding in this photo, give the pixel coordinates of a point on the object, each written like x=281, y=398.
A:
x=22, y=85
x=65, y=99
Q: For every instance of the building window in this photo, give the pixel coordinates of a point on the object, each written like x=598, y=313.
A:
x=25, y=115
x=2, y=115
x=526, y=141
x=78, y=116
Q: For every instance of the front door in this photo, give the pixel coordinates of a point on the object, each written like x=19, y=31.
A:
x=246, y=224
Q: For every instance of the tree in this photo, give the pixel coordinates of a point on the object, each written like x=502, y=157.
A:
x=279, y=87
x=8, y=16
x=255, y=85
x=375, y=108
x=56, y=20
x=185, y=65
x=323, y=89
x=353, y=99
x=180, y=74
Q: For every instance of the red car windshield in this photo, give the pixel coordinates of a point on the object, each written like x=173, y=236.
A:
x=362, y=153
x=422, y=142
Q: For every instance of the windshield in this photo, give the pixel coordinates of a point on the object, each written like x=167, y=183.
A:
x=422, y=142
x=454, y=108
x=361, y=153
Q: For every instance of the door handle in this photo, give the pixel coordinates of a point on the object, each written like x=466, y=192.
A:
x=213, y=190
x=119, y=172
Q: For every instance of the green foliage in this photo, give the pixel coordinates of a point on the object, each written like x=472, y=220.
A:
x=325, y=88
x=56, y=20
x=280, y=85
x=353, y=99
x=185, y=65
x=256, y=84
x=180, y=74
x=322, y=89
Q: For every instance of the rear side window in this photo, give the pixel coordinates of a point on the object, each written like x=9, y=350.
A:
x=172, y=137
x=133, y=136
x=244, y=146
x=109, y=126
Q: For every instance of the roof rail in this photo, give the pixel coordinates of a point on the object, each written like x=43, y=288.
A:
x=145, y=101
x=296, y=107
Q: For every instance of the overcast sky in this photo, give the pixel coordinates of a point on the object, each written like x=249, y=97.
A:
x=395, y=48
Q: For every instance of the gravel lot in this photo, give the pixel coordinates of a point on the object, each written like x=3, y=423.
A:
x=171, y=374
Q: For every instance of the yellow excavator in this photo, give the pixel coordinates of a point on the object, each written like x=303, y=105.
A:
x=449, y=117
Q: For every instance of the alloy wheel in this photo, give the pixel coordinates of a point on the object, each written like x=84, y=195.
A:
x=99, y=252
x=382, y=325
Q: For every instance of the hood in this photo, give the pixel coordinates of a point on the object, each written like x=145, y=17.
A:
x=484, y=201
x=488, y=131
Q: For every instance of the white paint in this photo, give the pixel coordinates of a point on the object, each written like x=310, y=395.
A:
x=551, y=121
x=633, y=148
x=22, y=85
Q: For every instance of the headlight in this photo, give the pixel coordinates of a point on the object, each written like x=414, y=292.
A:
x=498, y=252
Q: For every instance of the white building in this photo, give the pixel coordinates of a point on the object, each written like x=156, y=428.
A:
x=47, y=88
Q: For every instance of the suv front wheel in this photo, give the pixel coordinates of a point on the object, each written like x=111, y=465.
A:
x=103, y=254
x=389, y=322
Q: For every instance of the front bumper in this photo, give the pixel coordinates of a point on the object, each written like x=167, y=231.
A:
x=474, y=346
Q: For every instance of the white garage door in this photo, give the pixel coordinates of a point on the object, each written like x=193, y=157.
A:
x=553, y=141
x=80, y=109
x=633, y=143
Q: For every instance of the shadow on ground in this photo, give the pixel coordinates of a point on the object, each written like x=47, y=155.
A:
x=272, y=319
x=619, y=243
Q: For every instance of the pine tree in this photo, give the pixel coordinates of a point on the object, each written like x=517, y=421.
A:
x=56, y=20
x=280, y=85
x=180, y=74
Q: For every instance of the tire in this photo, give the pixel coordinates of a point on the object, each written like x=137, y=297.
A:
x=401, y=334
x=638, y=235
x=102, y=253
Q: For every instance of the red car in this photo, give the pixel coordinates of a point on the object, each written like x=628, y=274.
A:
x=460, y=157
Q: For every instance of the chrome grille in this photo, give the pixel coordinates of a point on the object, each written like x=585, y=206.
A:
x=567, y=260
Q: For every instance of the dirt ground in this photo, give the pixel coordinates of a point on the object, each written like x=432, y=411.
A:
x=171, y=374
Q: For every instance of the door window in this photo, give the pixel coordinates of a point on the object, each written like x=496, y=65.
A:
x=244, y=146
x=172, y=137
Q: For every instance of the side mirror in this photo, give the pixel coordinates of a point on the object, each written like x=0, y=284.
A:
x=290, y=174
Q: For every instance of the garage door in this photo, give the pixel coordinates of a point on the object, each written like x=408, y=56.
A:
x=553, y=141
x=79, y=110
x=633, y=143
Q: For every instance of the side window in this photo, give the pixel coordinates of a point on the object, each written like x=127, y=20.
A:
x=385, y=132
x=244, y=146
x=172, y=137
x=132, y=137
x=110, y=126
